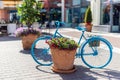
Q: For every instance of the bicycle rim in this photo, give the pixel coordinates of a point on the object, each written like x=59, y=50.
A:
x=96, y=55
x=40, y=52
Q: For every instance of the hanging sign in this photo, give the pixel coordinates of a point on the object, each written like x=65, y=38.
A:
x=76, y=2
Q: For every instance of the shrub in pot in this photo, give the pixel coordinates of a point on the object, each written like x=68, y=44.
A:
x=29, y=12
x=88, y=19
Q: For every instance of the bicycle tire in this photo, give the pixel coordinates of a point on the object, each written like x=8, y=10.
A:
x=102, y=52
x=40, y=51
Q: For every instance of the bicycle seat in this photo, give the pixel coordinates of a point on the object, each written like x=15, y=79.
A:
x=58, y=23
x=81, y=28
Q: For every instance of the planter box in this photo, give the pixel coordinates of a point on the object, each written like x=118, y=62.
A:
x=94, y=43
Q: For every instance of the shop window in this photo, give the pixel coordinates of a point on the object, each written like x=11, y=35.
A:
x=106, y=15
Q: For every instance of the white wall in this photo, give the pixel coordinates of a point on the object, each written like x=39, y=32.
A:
x=1, y=5
x=95, y=7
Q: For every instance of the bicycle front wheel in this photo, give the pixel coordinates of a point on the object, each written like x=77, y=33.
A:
x=40, y=51
x=96, y=52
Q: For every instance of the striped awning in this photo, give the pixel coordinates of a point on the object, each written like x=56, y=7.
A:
x=10, y=3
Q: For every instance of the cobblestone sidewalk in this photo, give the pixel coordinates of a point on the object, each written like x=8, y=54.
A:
x=17, y=64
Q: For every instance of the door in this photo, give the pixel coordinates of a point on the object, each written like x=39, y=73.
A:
x=116, y=17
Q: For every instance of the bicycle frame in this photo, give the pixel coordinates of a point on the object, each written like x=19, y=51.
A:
x=57, y=33
x=80, y=39
x=57, y=23
x=95, y=52
x=81, y=50
x=82, y=36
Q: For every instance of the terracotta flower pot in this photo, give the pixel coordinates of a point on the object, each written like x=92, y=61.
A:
x=28, y=40
x=88, y=27
x=63, y=60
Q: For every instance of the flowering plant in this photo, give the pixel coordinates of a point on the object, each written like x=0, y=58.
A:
x=62, y=43
x=20, y=32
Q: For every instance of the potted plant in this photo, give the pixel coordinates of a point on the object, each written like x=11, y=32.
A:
x=28, y=35
x=63, y=52
x=29, y=11
x=88, y=19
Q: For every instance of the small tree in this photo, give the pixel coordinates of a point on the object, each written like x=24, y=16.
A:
x=29, y=11
x=88, y=15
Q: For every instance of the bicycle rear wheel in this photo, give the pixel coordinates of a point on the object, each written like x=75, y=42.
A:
x=40, y=51
x=96, y=52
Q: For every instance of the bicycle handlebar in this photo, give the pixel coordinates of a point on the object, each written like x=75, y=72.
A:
x=57, y=23
x=81, y=28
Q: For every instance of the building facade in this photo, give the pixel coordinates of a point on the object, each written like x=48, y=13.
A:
x=75, y=12
x=8, y=8
x=107, y=14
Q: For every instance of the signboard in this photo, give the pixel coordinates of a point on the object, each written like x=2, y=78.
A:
x=76, y=2
x=1, y=4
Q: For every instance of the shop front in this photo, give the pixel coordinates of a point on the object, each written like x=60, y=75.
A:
x=75, y=13
x=109, y=15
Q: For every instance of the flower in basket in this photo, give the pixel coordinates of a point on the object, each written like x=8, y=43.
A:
x=20, y=32
x=62, y=43
x=94, y=43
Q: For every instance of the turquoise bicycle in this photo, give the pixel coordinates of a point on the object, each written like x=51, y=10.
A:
x=95, y=51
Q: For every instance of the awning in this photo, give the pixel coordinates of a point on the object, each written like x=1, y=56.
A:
x=113, y=1
x=9, y=3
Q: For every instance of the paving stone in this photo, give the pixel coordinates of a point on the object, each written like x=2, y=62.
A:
x=17, y=64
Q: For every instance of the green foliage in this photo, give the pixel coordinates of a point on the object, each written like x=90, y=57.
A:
x=29, y=11
x=63, y=43
x=88, y=15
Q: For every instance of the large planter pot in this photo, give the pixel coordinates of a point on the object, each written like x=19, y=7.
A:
x=28, y=40
x=63, y=60
x=88, y=27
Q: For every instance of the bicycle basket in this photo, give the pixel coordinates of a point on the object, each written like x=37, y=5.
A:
x=94, y=43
